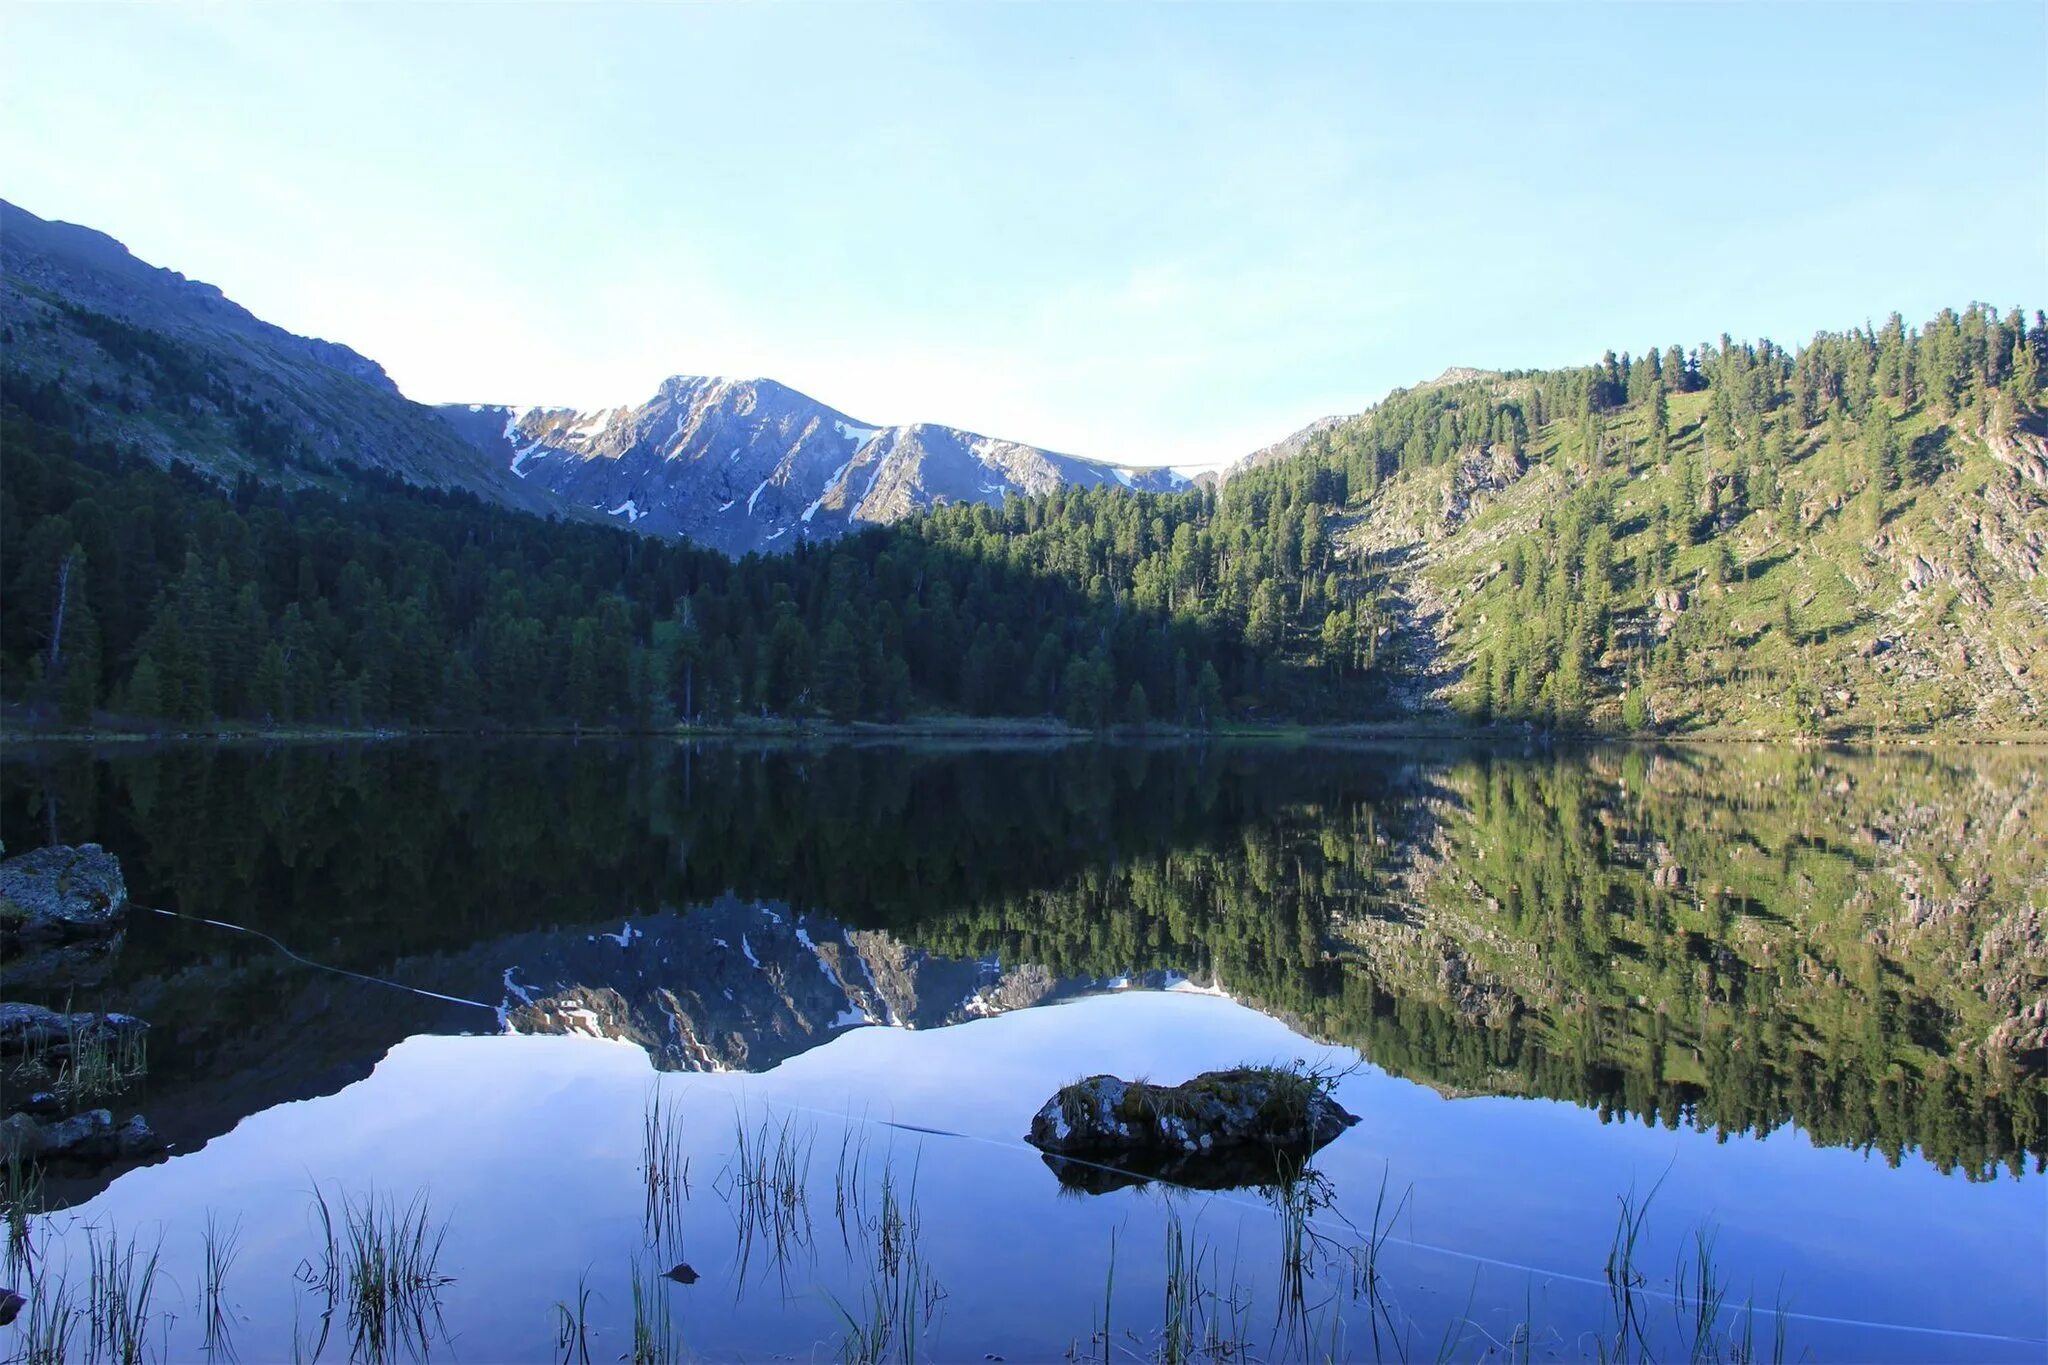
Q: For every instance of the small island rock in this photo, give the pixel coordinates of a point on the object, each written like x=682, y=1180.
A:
x=1218, y=1111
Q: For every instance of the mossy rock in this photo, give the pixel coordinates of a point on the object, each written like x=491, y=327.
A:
x=1278, y=1109
x=60, y=893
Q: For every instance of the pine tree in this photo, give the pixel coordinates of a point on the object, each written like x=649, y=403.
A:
x=1137, y=707
x=79, y=687
x=838, y=679
x=1881, y=448
x=268, y=699
x=1208, y=702
x=145, y=688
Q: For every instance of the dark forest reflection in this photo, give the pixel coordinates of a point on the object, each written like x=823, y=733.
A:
x=1731, y=939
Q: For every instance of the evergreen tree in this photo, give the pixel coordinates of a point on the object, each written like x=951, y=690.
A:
x=839, y=681
x=1208, y=701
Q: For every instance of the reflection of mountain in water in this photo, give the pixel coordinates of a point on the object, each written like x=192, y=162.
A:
x=740, y=986
x=1728, y=939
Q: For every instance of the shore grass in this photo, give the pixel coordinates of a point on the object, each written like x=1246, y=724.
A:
x=375, y=1264
x=382, y=1261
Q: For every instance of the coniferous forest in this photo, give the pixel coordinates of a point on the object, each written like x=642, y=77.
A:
x=1848, y=535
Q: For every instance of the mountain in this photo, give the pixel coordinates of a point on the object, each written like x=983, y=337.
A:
x=1736, y=538
x=126, y=352
x=1742, y=538
x=137, y=355
x=749, y=464
x=1286, y=447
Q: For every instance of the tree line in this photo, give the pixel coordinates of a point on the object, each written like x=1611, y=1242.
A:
x=161, y=594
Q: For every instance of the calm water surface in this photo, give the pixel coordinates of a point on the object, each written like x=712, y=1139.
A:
x=1778, y=999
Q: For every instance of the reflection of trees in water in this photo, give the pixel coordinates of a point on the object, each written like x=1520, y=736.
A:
x=1731, y=939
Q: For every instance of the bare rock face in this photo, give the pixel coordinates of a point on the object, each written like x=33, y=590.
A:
x=58, y=894
x=747, y=465
x=1265, y=1112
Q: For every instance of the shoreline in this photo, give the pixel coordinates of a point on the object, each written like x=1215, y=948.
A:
x=1012, y=730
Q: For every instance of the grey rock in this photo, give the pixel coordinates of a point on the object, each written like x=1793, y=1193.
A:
x=36, y=1029
x=137, y=1138
x=21, y=1139
x=60, y=893
x=11, y=1304
x=90, y=1138
x=1218, y=1111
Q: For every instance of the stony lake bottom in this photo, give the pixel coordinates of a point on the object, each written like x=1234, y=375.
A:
x=534, y=1050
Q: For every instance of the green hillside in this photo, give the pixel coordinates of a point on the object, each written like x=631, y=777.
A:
x=1843, y=539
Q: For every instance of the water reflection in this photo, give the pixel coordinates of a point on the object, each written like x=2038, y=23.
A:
x=1731, y=940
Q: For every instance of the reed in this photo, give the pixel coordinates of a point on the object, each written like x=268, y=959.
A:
x=1203, y=1315
x=900, y=1297
x=47, y=1324
x=1697, y=1299
x=665, y=1172
x=219, y=1250
x=103, y=1061
x=118, y=1294
x=1624, y=1281
x=21, y=1199
x=656, y=1338
x=848, y=1187
x=766, y=1186
x=572, y=1326
x=384, y=1260
x=1108, y=1296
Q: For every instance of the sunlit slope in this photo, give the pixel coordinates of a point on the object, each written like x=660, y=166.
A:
x=1773, y=543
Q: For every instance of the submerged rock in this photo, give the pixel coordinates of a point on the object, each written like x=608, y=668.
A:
x=1238, y=1121
x=90, y=1138
x=58, y=894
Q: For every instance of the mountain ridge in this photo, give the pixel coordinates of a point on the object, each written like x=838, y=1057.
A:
x=176, y=369
x=754, y=465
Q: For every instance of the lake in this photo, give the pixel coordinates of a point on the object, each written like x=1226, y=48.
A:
x=1711, y=1052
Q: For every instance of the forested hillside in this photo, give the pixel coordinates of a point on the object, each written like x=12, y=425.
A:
x=1731, y=537
x=1843, y=538
x=160, y=594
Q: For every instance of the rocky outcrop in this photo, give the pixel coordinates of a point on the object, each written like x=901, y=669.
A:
x=60, y=893
x=1254, y=1122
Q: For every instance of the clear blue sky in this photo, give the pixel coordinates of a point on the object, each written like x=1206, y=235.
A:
x=1155, y=233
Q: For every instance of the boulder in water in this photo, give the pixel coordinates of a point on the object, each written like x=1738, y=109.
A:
x=60, y=893
x=1246, y=1110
